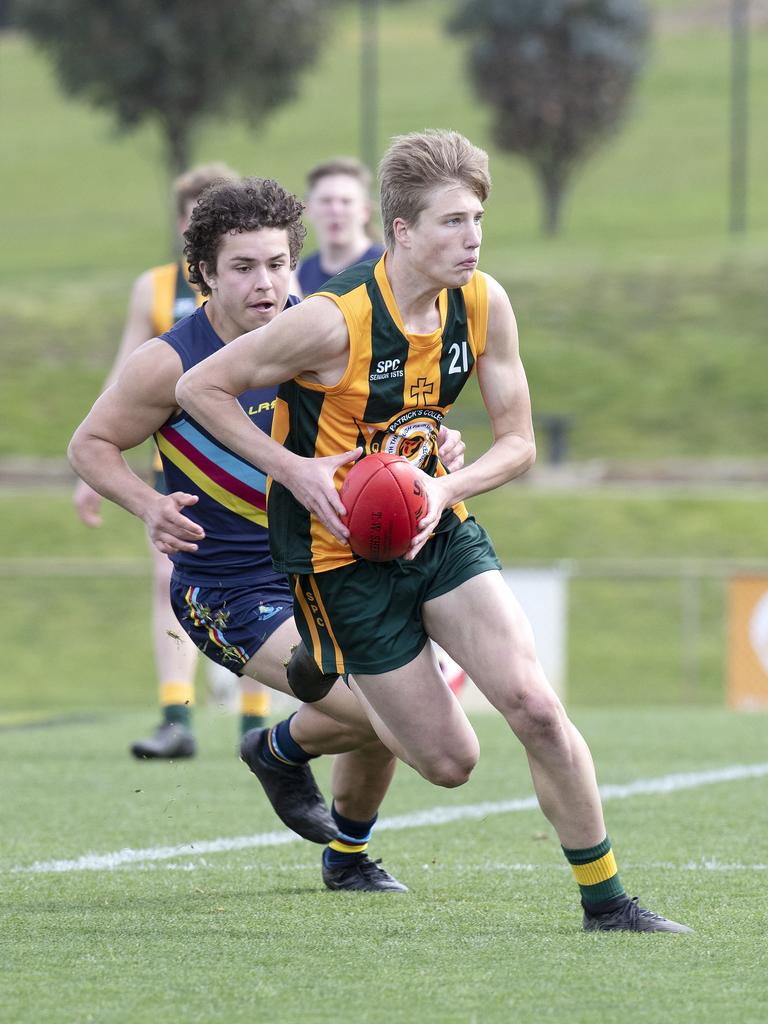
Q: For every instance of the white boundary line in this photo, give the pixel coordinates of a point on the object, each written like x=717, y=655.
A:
x=433, y=816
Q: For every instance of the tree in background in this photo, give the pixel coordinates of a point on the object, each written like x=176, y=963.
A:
x=178, y=61
x=558, y=74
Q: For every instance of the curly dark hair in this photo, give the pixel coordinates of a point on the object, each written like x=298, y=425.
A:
x=237, y=206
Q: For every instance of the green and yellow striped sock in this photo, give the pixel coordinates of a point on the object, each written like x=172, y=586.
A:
x=254, y=710
x=176, y=702
x=597, y=875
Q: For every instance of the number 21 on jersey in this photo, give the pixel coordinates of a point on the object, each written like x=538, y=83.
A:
x=458, y=353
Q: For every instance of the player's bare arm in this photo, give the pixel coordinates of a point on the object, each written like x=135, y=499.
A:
x=126, y=415
x=308, y=341
x=504, y=388
x=138, y=329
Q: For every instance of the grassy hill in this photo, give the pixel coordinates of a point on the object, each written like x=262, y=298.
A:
x=644, y=322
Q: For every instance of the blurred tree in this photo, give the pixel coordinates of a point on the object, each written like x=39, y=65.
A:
x=558, y=74
x=179, y=61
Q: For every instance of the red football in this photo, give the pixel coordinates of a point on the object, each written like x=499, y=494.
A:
x=384, y=500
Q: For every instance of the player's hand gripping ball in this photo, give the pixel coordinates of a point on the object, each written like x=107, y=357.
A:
x=384, y=500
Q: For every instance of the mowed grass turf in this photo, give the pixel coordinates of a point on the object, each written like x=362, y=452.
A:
x=490, y=931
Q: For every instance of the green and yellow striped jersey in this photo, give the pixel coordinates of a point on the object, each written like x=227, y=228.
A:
x=395, y=393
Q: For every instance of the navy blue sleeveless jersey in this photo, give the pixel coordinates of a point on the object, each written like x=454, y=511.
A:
x=312, y=276
x=232, y=505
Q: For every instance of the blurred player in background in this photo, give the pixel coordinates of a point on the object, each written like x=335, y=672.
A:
x=425, y=312
x=339, y=208
x=242, y=241
x=161, y=297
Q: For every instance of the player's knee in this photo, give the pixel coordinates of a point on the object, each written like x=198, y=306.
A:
x=308, y=682
x=539, y=716
x=449, y=774
x=528, y=697
x=452, y=770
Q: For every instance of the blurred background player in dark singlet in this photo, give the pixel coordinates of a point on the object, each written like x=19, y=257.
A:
x=340, y=210
x=160, y=298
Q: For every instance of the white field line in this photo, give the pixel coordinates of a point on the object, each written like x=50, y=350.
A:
x=431, y=817
x=704, y=864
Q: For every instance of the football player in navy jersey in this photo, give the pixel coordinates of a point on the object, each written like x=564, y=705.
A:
x=243, y=240
x=160, y=297
x=339, y=208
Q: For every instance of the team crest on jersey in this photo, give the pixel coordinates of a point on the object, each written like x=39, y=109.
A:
x=413, y=435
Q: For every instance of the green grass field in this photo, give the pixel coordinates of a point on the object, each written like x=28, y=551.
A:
x=488, y=933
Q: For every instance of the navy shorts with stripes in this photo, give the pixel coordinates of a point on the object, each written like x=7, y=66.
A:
x=230, y=624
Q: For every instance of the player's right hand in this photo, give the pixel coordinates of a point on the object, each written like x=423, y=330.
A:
x=168, y=529
x=311, y=483
x=87, y=504
x=438, y=500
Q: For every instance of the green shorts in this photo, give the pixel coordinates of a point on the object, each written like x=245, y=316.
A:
x=366, y=617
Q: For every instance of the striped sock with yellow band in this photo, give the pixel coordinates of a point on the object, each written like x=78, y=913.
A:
x=176, y=701
x=254, y=710
x=351, y=842
x=281, y=748
x=597, y=875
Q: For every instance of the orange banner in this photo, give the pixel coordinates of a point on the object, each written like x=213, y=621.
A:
x=748, y=643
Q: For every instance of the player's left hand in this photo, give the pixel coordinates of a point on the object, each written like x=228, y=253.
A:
x=438, y=497
x=169, y=530
x=451, y=448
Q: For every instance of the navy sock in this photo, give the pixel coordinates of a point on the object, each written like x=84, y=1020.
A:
x=280, y=747
x=351, y=841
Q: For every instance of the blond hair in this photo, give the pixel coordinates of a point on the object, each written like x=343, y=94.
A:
x=190, y=185
x=416, y=163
